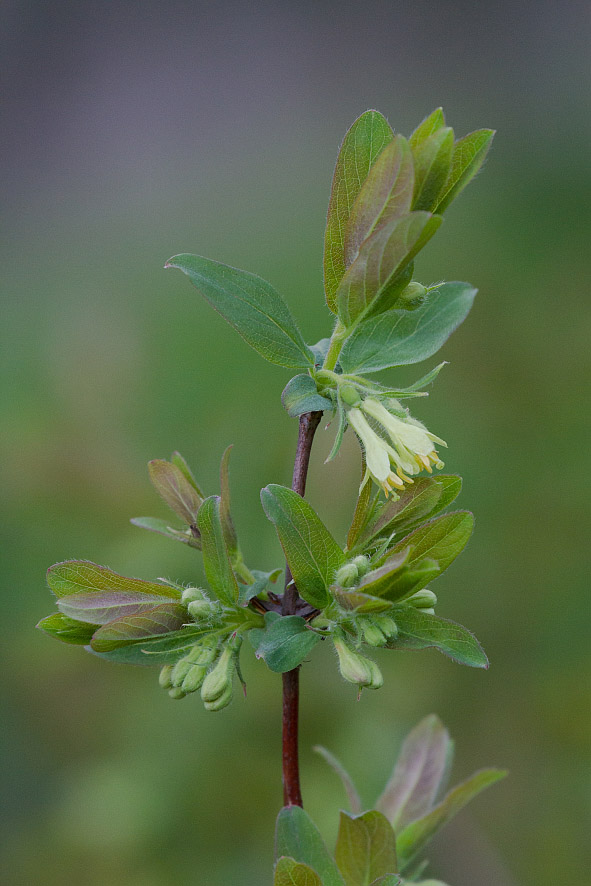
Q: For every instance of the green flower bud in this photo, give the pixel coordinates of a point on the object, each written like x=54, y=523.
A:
x=191, y=594
x=350, y=395
x=176, y=692
x=353, y=667
x=372, y=634
x=429, y=611
x=362, y=564
x=194, y=677
x=347, y=575
x=387, y=625
x=220, y=677
x=424, y=599
x=202, y=654
x=377, y=680
x=165, y=677
x=221, y=702
x=412, y=297
x=203, y=609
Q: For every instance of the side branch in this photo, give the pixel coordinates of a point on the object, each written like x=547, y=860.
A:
x=292, y=795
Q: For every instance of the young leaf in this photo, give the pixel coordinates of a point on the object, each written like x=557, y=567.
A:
x=66, y=629
x=310, y=550
x=386, y=194
x=161, y=619
x=337, y=766
x=420, y=630
x=381, y=259
x=468, y=156
x=432, y=162
x=362, y=508
x=286, y=643
x=366, y=848
x=430, y=124
x=263, y=581
x=421, y=766
x=415, y=503
x=378, y=581
x=251, y=306
x=157, y=650
x=216, y=561
x=441, y=539
x=362, y=145
x=417, y=834
x=412, y=578
x=354, y=601
x=104, y=606
x=388, y=880
x=82, y=576
x=178, y=460
x=297, y=836
x=154, y=524
x=172, y=486
x=225, y=515
x=452, y=486
x=292, y=873
x=300, y=395
x=399, y=337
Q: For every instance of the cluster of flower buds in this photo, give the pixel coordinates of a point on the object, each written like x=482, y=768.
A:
x=200, y=607
x=352, y=572
x=377, y=630
x=356, y=668
x=217, y=688
x=194, y=672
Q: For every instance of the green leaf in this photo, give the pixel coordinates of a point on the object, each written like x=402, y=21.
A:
x=415, y=503
x=228, y=529
x=441, y=539
x=421, y=767
x=301, y=395
x=416, y=835
x=154, y=524
x=297, y=836
x=386, y=194
x=216, y=561
x=362, y=508
x=102, y=607
x=362, y=145
x=388, y=880
x=412, y=578
x=452, y=486
x=310, y=550
x=354, y=601
x=337, y=766
x=399, y=337
x=432, y=162
x=172, y=486
x=366, y=848
x=157, y=650
x=380, y=262
x=285, y=643
x=468, y=156
x=420, y=630
x=378, y=581
x=161, y=619
x=82, y=576
x=251, y=306
x=292, y=873
x=320, y=350
x=178, y=460
x=263, y=581
x=430, y=124
x=66, y=629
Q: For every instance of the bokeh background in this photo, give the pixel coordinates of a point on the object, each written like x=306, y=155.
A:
x=135, y=130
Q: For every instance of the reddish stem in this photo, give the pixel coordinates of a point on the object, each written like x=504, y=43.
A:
x=292, y=794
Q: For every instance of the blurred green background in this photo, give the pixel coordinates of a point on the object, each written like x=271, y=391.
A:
x=136, y=130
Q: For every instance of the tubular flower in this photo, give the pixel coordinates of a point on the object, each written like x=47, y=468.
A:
x=412, y=444
x=378, y=454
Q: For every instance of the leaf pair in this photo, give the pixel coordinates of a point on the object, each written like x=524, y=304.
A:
x=413, y=800
x=177, y=487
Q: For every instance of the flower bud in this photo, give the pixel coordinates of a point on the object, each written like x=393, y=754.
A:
x=353, y=667
x=347, y=575
x=203, y=609
x=221, y=702
x=189, y=595
x=372, y=634
x=194, y=677
x=350, y=395
x=165, y=677
x=387, y=625
x=424, y=599
x=412, y=297
x=202, y=655
x=377, y=680
x=220, y=677
x=362, y=564
x=176, y=693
